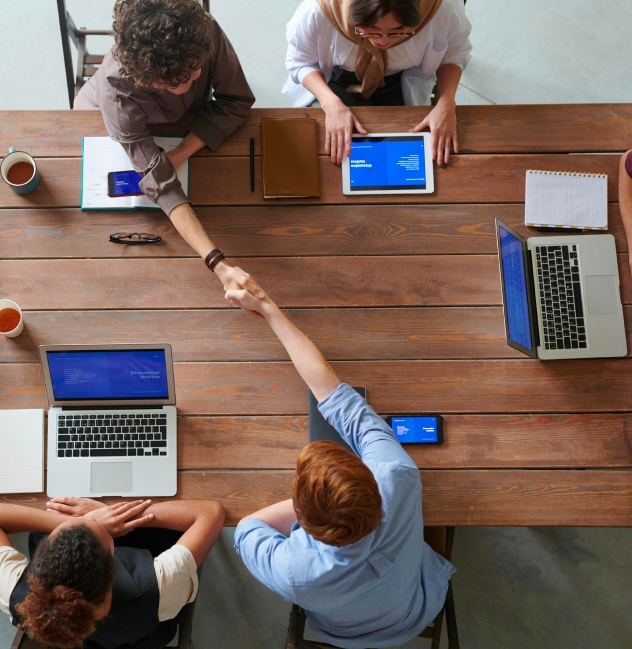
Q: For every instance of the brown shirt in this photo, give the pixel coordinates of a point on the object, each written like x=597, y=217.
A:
x=220, y=99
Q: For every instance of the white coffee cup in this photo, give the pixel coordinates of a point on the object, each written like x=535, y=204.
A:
x=9, y=304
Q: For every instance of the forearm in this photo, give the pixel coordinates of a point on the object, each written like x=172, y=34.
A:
x=307, y=358
x=190, y=145
x=316, y=84
x=17, y=518
x=625, y=201
x=448, y=77
x=188, y=225
x=280, y=516
x=200, y=521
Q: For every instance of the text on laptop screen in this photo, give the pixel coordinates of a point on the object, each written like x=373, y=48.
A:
x=387, y=163
x=111, y=374
x=515, y=288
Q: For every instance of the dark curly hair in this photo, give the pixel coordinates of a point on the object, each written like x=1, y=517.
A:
x=161, y=40
x=69, y=576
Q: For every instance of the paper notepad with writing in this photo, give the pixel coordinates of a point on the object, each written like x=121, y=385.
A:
x=102, y=155
x=566, y=199
x=21, y=451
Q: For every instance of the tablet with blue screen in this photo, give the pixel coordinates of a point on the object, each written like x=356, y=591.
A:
x=388, y=163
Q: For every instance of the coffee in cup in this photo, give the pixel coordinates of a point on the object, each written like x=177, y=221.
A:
x=19, y=171
x=11, y=321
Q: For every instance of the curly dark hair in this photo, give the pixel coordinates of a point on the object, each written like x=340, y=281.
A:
x=161, y=40
x=69, y=576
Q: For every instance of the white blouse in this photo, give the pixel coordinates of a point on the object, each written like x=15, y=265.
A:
x=398, y=59
x=314, y=44
x=175, y=572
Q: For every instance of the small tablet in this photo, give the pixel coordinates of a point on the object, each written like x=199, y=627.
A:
x=388, y=163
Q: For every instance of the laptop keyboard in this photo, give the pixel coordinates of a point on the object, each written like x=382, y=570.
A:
x=561, y=297
x=119, y=435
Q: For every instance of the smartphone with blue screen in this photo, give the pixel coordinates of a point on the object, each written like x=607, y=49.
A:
x=124, y=183
x=417, y=429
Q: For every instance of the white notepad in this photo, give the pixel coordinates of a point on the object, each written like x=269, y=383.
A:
x=566, y=199
x=102, y=155
x=21, y=451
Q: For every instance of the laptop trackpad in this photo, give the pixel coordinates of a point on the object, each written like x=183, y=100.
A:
x=602, y=295
x=112, y=477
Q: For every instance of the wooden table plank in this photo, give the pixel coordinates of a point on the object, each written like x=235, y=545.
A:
x=465, y=497
x=227, y=335
x=450, y=386
x=481, y=129
x=471, y=441
x=226, y=181
x=274, y=230
x=318, y=281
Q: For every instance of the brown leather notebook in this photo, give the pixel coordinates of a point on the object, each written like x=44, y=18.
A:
x=289, y=148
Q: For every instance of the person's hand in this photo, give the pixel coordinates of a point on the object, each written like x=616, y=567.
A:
x=233, y=277
x=442, y=122
x=177, y=156
x=250, y=304
x=73, y=506
x=339, y=125
x=119, y=519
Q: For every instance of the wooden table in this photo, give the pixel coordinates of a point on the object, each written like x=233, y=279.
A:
x=401, y=293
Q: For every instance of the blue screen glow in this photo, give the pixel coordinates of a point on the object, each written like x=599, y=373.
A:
x=126, y=183
x=515, y=288
x=378, y=163
x=415, y=429
x=134, y=374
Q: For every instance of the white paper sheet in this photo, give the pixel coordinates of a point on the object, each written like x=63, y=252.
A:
x=21, y=451
x=565, y=199
x=102, y=155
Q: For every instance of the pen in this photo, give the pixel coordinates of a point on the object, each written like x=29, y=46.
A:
x=252, y=165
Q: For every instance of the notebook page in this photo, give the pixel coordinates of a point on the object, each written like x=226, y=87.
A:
x=168, y=144
x=21, y=451
x=566, y=199
x=100, y=156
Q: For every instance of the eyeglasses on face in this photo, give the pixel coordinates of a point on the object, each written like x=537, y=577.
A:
x=398, y=35
x=134, y=237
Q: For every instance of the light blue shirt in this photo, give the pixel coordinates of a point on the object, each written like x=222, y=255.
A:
x=382, y=590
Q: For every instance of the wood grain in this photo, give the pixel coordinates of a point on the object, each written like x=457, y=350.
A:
x=227, y=335
x=273, y=230
x=226, y=181
x=467, y=497
x=481, y=129
x=187, y=283
x=448, y=387
x=471, y=441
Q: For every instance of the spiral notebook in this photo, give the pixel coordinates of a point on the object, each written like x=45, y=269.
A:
x=566, y=199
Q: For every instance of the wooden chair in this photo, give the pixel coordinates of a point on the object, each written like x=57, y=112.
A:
x=185, y=627
x=87, y=64
x=440, y=540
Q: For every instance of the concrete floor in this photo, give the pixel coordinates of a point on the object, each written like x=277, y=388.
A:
x=517, y=588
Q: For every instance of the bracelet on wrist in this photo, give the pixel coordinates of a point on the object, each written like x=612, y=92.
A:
x=213, y=258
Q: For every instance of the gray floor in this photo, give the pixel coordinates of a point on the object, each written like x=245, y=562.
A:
x=516, y=588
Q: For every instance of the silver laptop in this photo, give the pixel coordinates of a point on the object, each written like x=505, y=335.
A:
x=561, y=295
x=112, y=421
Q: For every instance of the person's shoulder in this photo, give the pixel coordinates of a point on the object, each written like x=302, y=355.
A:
x=449, y=12
x=309, y=16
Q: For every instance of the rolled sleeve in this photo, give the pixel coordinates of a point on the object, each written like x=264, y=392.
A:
x=232, y=96
x=12, y=566
x=262, y=549
x=362, y=428
x=176, y=573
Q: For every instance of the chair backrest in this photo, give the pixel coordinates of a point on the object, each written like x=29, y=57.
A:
x=87, y=64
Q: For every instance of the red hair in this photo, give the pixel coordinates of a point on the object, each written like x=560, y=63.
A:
x=336, y=498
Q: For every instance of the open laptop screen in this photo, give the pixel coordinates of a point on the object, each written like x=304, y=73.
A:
x=515, y=289
x=108, y=374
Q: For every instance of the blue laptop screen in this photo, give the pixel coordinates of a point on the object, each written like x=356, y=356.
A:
x=515, y=289
x=111, y=374
x=387, y=163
